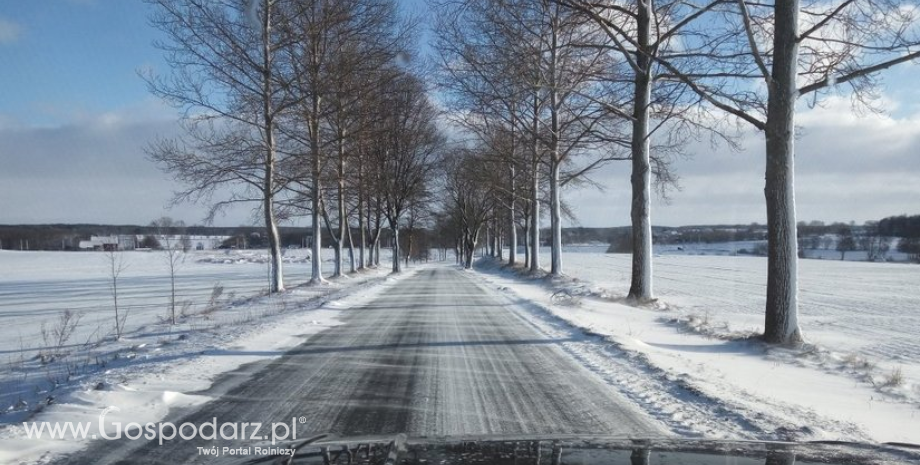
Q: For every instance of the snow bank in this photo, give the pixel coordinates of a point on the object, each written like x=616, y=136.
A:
x=702, y=372
x=157, y=367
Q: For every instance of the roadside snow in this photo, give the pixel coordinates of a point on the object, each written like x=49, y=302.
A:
x=695, y=370
x=155, y=367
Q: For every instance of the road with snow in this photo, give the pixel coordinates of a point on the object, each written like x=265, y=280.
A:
x=437, y=354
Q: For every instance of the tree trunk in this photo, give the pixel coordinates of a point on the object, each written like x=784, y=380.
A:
x=470, y=239
x=268, y=188
x=526, y=234
x=499, y=239
x=352, y=267
x=274, y=244
x=535, y=202
x=375, y=247
x=367, y=226
x=555, y=162
x=555, y=220
x=512, y=229
x=343, y=217
x=361, y=225
x=172, y=288
x=781, y=322
x=640, y=288
x=336, y=242
x=337, y=256
x=408, y=246
x=317, y=248
x=397, y=264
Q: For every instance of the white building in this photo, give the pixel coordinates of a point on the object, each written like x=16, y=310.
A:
x=120, y=242
x=190, y=242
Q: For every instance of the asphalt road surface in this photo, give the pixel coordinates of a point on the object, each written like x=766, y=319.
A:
x=438, y=353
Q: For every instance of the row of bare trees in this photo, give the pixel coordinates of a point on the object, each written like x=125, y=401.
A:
x=315, y=108
x=548, y=90
x=299, y=108
x=529, y=83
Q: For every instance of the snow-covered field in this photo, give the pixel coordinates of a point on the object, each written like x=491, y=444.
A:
x=154, y=361
x=859, y=377
x=870, y=309
x=36, y=286
x=684, y=359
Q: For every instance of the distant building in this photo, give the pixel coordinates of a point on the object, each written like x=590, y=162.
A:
x=110, y=243
x=188, y=242
x=130, y=242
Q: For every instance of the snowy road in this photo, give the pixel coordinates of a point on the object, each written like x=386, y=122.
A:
x=437, y=354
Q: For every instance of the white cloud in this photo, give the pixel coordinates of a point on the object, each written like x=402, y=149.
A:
x=92, y=169
x=848, y=167
x=9, y=31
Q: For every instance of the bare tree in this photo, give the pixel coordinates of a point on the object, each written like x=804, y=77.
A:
x=407, y=156
x=845, y=242
x=640, y=32
x=374, y=38
x=874, y=243
x=530, y=67
x=470, y=194
x=478, y=63
x=336, y=52
x=115, y=265
x=785, y=52
x=225, y=78
x=168, y=229
x=754, y=61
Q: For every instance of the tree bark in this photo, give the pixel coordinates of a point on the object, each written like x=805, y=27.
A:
x=316, y=192
x=499, y=239
x=526, y=234
x=640, y=288
x=274, y=240
x=397, y=264
x=361, y=225
x=343, y=219
x=555, y=220
x=535, y=197
x=555, y=196
x=781, y=322
x=352, y=267
x=512, y=229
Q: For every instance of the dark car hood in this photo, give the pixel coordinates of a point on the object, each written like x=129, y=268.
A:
x=569, y=449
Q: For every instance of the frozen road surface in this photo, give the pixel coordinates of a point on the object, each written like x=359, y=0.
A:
x=437, y=354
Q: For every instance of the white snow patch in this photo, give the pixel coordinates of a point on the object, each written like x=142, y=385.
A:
x=155, y=367
x=858, y=317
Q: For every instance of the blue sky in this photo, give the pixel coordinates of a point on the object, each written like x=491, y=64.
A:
x=74, y=118
x=74, y=57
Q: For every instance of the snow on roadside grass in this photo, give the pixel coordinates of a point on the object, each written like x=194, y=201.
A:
x=157, y=367
x=778, y=393
x=866, y=311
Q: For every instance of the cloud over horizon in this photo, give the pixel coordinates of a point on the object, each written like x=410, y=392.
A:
x=93, y=169
x=848, y=168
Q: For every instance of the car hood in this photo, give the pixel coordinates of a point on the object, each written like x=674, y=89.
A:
x=566, y=449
